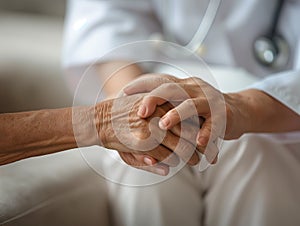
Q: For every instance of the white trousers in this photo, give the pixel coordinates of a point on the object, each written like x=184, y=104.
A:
x=255, y=182
x=52, y=190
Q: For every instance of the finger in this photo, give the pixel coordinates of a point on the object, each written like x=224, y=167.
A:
x=187, y=129
x=159, y=154
x=164, y=93
x=211, y=153
x=164, y=155
x=129, y=158
x=204, y=134
x=149, y=104
x=215, y=160
x=185, y=110
x=188, y=132
x=145, y=84
x=207, y=140
x=183, y=149
x=160, y=169
x=145, y=159
x=209, y=132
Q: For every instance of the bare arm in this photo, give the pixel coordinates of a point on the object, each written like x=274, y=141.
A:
x=261, y=113
x=35, y=133
x=116, y=75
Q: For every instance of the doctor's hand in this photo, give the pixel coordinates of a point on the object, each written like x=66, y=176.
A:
x=140, y=142
x=219, y=112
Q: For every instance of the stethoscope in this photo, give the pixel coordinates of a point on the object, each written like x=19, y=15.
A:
x=271, y=50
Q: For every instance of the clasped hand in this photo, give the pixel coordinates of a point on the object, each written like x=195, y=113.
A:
x=192, y=97
x=179, y=104
x=140, y=141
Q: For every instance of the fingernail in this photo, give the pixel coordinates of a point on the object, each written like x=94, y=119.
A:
x=142, y=110
x=164, y=122
x=148, y=161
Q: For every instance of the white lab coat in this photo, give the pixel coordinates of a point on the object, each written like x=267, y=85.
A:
x=257, y=177
x=94, y=28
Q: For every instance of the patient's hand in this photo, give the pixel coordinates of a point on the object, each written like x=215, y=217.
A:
x=120, y=128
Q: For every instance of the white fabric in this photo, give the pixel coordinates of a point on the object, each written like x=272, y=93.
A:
x=58, y=189
x=256, y=181
x=284, y=86
x=94, y=28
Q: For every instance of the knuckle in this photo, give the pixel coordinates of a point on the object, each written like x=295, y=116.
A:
x=166, y=78
x=171, y=160
x=190, y=103
x=169, y=86
x=188, y=80
x=149, y=99
x=173, y=114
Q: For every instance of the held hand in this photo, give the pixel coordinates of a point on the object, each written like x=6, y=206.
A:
x=217, y=109
x=156, y=162
x=136, y=139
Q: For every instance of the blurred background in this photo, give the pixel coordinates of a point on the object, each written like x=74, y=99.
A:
x=31, y=75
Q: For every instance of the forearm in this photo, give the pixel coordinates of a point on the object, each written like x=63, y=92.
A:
x=115, y=75
x=36, y=133
x=264, y=114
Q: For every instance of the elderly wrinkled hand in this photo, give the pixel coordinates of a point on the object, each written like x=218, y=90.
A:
x=138, y=138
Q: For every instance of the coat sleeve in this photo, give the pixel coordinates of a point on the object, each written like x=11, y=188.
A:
x=95, y=28
x=284, y=86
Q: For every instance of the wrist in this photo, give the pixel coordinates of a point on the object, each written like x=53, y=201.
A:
x=85, y=122
x=268, y=114
x=239, y=115
x=103, y=114
x=253, y=107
